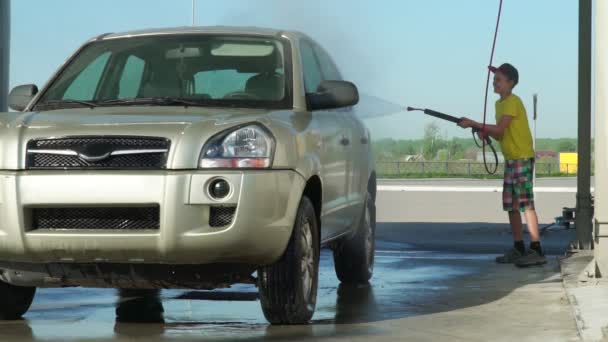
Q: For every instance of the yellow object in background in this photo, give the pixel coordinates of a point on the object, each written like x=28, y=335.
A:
x=568, y=163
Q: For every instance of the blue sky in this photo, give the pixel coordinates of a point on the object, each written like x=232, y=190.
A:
x=430, y=53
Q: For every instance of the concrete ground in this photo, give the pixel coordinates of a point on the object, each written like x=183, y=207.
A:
x=587, y=294
x=435, y=280
x=445, y=201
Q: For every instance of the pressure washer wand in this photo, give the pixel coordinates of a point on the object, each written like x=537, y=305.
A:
x=436, y=114
x=446, y=117
x=456, y=120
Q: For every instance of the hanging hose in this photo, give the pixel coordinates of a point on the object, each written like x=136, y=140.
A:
x=485, y=140
x=485, y=102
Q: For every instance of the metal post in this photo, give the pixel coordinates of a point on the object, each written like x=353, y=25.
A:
x=193, y=13
x=535, y=100
x=601, y=137
x=5, y=25
x=583, y=198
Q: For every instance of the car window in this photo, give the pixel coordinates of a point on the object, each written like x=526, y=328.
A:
x=328, y=67
x=234, y=71
x=130, y=80
x=312, y=72
x=219, y=83
x=85, y=84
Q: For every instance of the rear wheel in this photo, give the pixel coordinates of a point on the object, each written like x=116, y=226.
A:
x=288, y=288
x=15, y=300
x=354, y=256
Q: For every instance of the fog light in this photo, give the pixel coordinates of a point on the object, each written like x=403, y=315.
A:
x=219, y=189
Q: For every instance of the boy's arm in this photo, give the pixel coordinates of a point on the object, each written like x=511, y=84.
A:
x=495, y=131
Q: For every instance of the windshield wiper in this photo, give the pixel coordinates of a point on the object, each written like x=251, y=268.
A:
x=159, y=101
x=70, y=101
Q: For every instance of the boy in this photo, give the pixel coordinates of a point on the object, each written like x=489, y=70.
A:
x=513, y=133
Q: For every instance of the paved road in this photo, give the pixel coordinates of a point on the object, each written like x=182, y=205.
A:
x=466, y=201
x=540, y=182
x=435, y=279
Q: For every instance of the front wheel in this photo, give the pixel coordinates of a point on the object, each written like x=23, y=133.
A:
x=15, y=300
x=354, y=256
x=288, y=288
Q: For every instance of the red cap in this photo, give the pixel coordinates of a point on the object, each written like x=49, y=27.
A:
x=508, y=70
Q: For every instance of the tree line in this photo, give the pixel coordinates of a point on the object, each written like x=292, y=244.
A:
x=437, y=146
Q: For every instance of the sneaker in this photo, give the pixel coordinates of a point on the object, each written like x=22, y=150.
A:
x=509, y=257
x=533, y=258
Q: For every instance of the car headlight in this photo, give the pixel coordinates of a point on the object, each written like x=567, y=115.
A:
x=246, y=147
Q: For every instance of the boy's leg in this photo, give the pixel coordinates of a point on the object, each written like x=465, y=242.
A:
x=535, y=256
x=519, y=248
x=532, y=222
x=508, y=199
x=516, y=225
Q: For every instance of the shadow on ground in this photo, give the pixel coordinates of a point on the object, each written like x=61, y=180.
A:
x=421, y=269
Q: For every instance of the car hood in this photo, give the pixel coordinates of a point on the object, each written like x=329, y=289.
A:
x=187, y=128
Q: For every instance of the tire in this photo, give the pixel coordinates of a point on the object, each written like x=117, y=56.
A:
x=354, y=255
x=288, y=288
x=15, y=300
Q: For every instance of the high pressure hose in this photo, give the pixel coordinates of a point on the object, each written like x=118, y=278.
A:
x=485, y=102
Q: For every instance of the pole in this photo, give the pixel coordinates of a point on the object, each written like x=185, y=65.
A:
x=584, y=231
x=193, y=13
x=535, y=97
x=601, y=138
x=5, y=43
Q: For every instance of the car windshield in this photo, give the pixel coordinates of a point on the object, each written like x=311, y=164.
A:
x=186, y=70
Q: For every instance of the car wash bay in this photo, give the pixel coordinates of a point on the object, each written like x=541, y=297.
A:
x=432, y=281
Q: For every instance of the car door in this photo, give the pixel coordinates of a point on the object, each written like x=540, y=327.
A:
x=332, y=152
x=354, y=133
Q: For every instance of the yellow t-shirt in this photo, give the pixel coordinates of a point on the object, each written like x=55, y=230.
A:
x=516, y=142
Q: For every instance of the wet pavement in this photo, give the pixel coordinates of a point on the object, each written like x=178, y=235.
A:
x=433, y=281
x=407, y=282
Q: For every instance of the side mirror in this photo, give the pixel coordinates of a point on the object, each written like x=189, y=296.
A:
x=21, y=96
x=332, y=95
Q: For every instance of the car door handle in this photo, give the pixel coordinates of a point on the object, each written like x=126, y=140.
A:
x=364, y=140
x=344, y=141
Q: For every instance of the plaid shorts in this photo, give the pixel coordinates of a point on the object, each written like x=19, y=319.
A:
x=518, y=190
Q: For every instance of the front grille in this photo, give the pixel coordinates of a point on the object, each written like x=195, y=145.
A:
x=56, y=154
x=133, y=161
x=104, y=218
x=119, y=141
x=221, y=216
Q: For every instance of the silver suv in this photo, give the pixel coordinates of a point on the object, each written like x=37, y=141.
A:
x=188, y=158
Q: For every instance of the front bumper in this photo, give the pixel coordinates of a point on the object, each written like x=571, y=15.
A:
x=266, y=205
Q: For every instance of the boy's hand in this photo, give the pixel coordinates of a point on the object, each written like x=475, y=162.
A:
x=466, y=123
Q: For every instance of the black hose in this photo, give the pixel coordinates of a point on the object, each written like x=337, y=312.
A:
x=492, y=148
